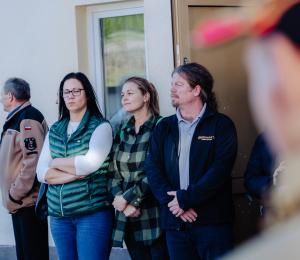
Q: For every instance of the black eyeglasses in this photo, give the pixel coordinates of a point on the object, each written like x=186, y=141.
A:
x=75, y=92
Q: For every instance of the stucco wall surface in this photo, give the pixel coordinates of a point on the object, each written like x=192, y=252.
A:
x=158, y=24
x=39, y=44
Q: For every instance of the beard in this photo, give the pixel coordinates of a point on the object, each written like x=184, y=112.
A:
x=174, y=102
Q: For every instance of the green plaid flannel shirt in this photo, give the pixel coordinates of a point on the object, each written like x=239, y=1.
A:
x=126, y=177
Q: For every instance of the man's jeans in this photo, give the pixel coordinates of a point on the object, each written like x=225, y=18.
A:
x=84, y=237
x=31, y=235
x=205, y=242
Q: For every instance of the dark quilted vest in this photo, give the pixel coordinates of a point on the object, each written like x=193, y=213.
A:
x=86, y=195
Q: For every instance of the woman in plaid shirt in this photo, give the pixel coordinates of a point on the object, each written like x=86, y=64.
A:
x=138, y=212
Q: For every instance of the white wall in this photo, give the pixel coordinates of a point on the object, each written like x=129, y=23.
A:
x=158, y=24
x=39, y=44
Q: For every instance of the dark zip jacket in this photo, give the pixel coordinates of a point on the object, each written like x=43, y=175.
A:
x=212, y=156
x=258, y=177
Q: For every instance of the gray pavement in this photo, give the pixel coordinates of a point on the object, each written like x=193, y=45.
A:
x=9, y=253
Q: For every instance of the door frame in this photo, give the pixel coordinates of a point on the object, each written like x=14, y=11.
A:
x=181, y=30
x=182, y=44
x=94, y=14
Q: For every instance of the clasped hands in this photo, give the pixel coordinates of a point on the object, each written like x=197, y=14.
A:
x=129, y=210
x=122, y=205
x=189, y=215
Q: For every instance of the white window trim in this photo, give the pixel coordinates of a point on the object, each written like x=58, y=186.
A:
x=94, y=13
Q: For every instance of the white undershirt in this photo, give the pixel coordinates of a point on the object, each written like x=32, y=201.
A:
x=99, y=148
x=72, y=127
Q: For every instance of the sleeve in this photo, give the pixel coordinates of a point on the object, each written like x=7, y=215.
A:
x=256, y=181
x=155, y=168
x=32, y=135
x=140, y=191
x=44, y=161
x=115, y=180
x=99, y=148
x=219, y=172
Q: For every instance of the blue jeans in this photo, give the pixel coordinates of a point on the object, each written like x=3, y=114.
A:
x=205, y=242
x=84, y=237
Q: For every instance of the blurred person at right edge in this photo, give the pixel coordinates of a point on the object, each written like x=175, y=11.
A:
x=260, y=176
x=273, y=63
x=262, y=172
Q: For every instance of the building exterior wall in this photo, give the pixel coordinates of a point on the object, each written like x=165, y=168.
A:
x=42, y=41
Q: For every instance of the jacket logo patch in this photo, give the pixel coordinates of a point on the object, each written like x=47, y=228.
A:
x=27, y=127
x=30, y=143
x=206, y=138
x=9, y=133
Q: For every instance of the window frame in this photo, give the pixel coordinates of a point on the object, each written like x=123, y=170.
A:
x=94, y=14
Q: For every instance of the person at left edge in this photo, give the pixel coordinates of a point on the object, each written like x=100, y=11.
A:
x=74, y=162
x=21, y=142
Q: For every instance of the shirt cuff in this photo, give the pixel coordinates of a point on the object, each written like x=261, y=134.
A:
x=132, y=198
x=14, y=197
x=180, y=200
x=41, y=176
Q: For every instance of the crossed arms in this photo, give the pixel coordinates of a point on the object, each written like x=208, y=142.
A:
x=65, y=170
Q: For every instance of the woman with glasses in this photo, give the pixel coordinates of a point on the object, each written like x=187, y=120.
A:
x=74, y=162
x=138, y=212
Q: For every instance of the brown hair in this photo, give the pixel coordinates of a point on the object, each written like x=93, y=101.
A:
x=146, y=87
x=196, y=74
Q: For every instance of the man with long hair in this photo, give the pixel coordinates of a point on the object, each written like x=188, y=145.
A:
x=190, y=159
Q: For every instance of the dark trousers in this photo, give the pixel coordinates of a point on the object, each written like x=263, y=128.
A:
x=31, y=235
x=137, y=250
x=205, y=242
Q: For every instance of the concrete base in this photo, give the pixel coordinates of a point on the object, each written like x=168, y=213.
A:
x=9, y=253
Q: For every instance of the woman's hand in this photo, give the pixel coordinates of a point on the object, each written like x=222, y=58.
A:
x=120, y=203
x=131, y=211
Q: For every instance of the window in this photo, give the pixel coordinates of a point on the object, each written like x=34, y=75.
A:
x=116, y=52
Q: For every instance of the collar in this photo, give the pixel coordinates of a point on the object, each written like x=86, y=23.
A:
x=15, y=111
x=180, y=119
x=150, y=123
x=172, y=122
x=62, y=126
